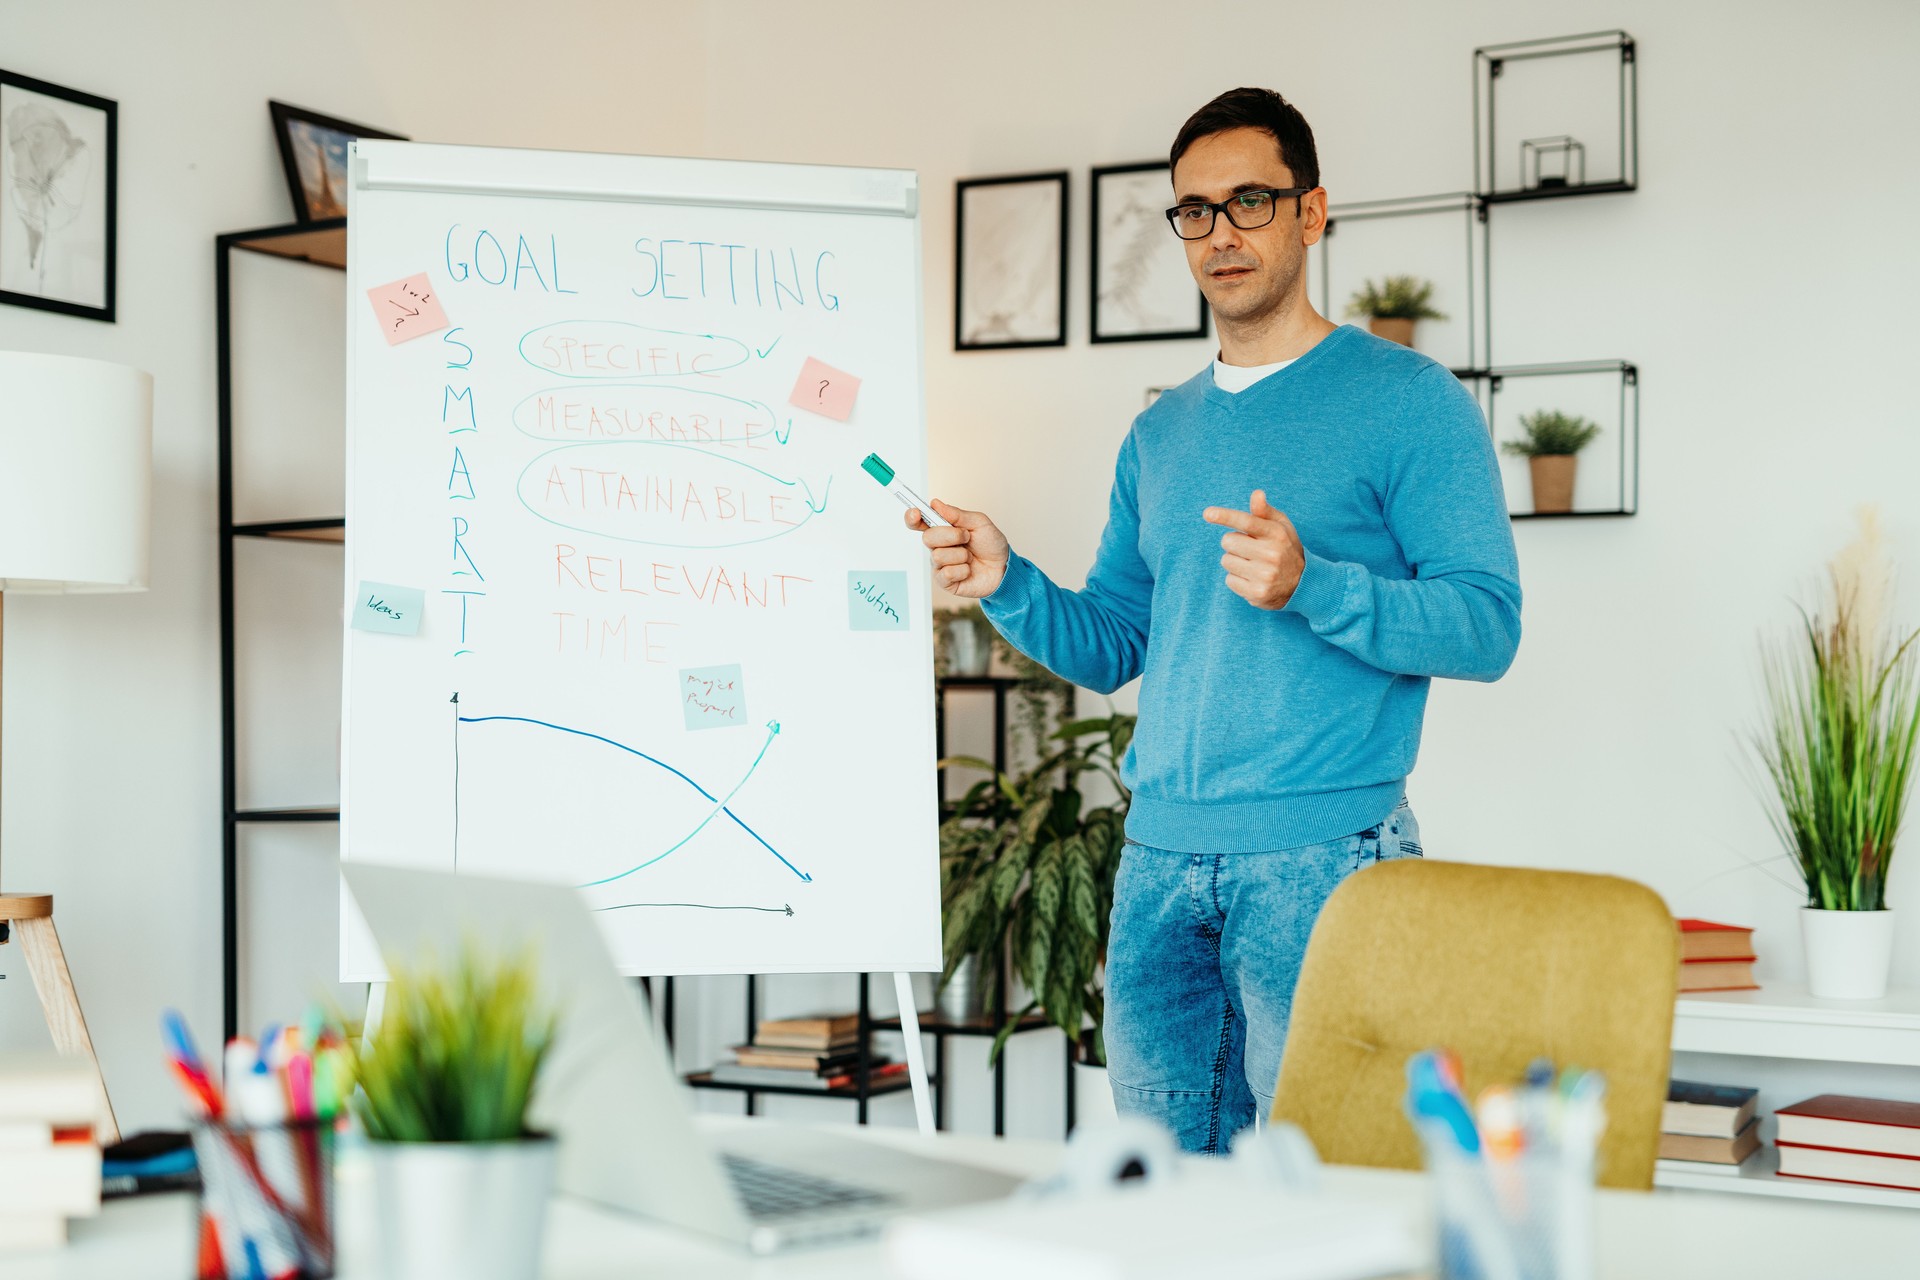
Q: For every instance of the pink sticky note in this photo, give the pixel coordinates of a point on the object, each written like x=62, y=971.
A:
x=824, y=390
x=407, y=308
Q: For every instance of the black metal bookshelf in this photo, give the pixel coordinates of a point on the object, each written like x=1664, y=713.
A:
x=324, y=244
x=932, y=1024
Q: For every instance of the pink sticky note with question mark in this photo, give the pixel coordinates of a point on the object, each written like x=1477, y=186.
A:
x=824, y=390
x=407, y=309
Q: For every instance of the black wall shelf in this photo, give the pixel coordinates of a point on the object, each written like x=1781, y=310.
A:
x=1624, y=429
x=1491, y=64
x=323, y=244
x=1473, y=216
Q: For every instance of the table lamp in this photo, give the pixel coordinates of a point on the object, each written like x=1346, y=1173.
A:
x=76, y=460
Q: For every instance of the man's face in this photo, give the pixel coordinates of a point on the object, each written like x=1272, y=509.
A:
x=1246, y=274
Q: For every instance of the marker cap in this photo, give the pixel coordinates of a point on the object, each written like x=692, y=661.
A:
x=878, y=469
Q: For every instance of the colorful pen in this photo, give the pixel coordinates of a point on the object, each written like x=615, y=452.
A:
x=876, y=467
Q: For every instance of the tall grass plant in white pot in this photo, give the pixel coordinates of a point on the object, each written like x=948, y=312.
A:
x=1843, y=715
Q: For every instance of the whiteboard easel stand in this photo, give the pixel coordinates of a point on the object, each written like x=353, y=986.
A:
x=902, y=992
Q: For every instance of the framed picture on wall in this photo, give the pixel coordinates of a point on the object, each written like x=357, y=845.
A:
x=1142, y=289
x=313, y=151
x=58, y=165
x=1010, y=262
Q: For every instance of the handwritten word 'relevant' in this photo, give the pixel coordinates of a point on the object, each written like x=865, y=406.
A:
x=615, y=575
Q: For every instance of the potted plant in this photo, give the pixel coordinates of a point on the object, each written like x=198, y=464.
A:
x=962, y=641
x=1551, y=446
x=1027, y=870
x=446, y=1081
x=1843, y=713
x=1393, y=305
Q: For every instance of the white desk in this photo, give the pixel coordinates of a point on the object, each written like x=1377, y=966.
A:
x=1642, y=1237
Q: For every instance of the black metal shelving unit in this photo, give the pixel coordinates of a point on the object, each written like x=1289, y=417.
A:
x=1481, y=373
x=325, y=245
x=932, y=1024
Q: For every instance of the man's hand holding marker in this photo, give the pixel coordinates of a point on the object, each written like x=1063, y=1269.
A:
x=1263, y=557
x=969, y=554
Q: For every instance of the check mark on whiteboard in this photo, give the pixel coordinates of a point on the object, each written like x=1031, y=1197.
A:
x=769, y=351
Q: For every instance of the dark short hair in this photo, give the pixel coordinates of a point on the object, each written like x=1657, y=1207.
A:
x=1261, y=109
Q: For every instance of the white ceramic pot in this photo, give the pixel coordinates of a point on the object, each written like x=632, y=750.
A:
x=968, y=651
x=462, y=1210
x=1849, y=953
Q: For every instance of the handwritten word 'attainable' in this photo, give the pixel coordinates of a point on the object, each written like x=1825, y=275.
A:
x=596, y=489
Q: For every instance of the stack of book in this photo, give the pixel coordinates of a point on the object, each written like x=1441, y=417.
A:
x=819, y=1053
x=1715, y=957
x=1707, y=1128
x=1840, y=1139
x=49, y=1159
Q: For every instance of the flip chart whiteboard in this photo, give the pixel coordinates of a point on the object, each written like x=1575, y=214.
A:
x=622, y=610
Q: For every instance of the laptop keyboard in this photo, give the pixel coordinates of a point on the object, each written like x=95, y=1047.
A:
x=772, y=1191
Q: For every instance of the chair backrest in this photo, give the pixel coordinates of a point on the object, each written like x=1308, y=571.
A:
x=1502, y=965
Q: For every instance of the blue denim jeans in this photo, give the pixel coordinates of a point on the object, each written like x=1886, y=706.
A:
x=1201, y=965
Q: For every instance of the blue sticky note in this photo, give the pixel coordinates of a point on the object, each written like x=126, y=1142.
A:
x=877, y=600
x=713, y=697
x=390, y=610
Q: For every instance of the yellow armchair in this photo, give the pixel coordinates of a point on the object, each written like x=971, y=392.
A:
x=1502, y=965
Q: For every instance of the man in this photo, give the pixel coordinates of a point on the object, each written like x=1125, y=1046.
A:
x=1286, y=660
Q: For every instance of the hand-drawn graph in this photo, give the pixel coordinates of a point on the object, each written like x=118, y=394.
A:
x=677, y=826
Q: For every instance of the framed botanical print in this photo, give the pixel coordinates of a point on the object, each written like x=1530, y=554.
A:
x=1010, y=262
x=58, y=173
x=1142, y=288
x=313, y=150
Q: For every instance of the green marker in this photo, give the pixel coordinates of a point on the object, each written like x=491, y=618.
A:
x=876, y=467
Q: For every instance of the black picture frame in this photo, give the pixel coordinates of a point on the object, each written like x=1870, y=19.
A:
x=1097, y=277
x=311, y=205
x=1057, y=229
x=14, y=225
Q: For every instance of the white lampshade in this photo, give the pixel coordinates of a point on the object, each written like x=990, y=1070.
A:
x=76, y=464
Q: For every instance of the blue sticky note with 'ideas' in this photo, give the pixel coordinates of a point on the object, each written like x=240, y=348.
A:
x=387, y=609
x=877, y=599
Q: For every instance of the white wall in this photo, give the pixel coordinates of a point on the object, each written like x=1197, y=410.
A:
x=1761, y=278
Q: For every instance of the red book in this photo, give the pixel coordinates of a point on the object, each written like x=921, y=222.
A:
x=1706, y=940
x=1865, y=1126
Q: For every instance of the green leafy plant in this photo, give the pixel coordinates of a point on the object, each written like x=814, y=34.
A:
x=1027, y=870
x=1552, y=434
x=1843, y=711
x=1395, y=298
x=457, y=1053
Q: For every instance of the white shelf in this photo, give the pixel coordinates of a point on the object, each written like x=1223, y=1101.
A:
x=1759, y=1176
x=1783, y=1021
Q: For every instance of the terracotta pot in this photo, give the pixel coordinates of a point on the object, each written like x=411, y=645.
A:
x=1553, y=481
x=1392, y=328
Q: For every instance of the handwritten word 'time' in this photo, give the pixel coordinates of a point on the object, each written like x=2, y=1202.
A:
x=594, y=489
x=712, y=584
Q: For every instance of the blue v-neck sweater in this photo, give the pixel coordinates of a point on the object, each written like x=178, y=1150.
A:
x=1267, y=729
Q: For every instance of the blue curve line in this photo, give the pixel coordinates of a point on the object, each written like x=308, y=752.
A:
x=544, y=724
x=773, y=731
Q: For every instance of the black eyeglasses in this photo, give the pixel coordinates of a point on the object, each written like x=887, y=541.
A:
x=1246, y=210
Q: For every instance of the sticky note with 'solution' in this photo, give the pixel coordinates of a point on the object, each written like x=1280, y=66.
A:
x=713, y=697
x=824, y=390
x=407, y=308
x=388, y=609
x=877, y=600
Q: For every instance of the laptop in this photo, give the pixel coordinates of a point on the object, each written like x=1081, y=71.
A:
x=608, y=1091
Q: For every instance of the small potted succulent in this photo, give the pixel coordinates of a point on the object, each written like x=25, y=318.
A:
x=1393, y=305
x=1551, y=446
x=446, y=1081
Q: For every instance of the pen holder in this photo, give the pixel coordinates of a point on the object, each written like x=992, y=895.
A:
x=1525, y=1218
x=266, y=1200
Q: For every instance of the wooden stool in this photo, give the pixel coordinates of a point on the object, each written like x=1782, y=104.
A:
x=32, y=915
